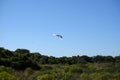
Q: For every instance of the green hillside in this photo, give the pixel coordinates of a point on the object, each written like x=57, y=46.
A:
x=21, y=64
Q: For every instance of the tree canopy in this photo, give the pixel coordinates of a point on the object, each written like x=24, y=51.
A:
x=20, y=59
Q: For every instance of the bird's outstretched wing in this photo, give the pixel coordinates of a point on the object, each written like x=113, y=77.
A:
x=58, y=35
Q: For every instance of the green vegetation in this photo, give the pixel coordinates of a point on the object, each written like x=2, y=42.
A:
x=21, y=64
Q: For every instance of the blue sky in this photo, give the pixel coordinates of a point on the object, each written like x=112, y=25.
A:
x=89, y=27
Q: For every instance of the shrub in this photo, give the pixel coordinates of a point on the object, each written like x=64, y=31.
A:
x=75, y=69
x=101, y=76
x=67, y=76
x=7, y=76
x=84, y=76
x=46, y=77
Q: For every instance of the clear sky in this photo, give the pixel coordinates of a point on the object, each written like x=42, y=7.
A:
x=89, y=27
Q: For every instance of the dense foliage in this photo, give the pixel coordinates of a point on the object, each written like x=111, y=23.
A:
x=21, y=64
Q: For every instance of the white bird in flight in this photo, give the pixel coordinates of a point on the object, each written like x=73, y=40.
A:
x=58, y=35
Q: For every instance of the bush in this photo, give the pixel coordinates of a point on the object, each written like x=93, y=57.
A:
x=7, y=76
x=84, y=76
x=28, y=72
x=75, y=69
x=101, y=76
x=67, y=76
x=46, y=77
